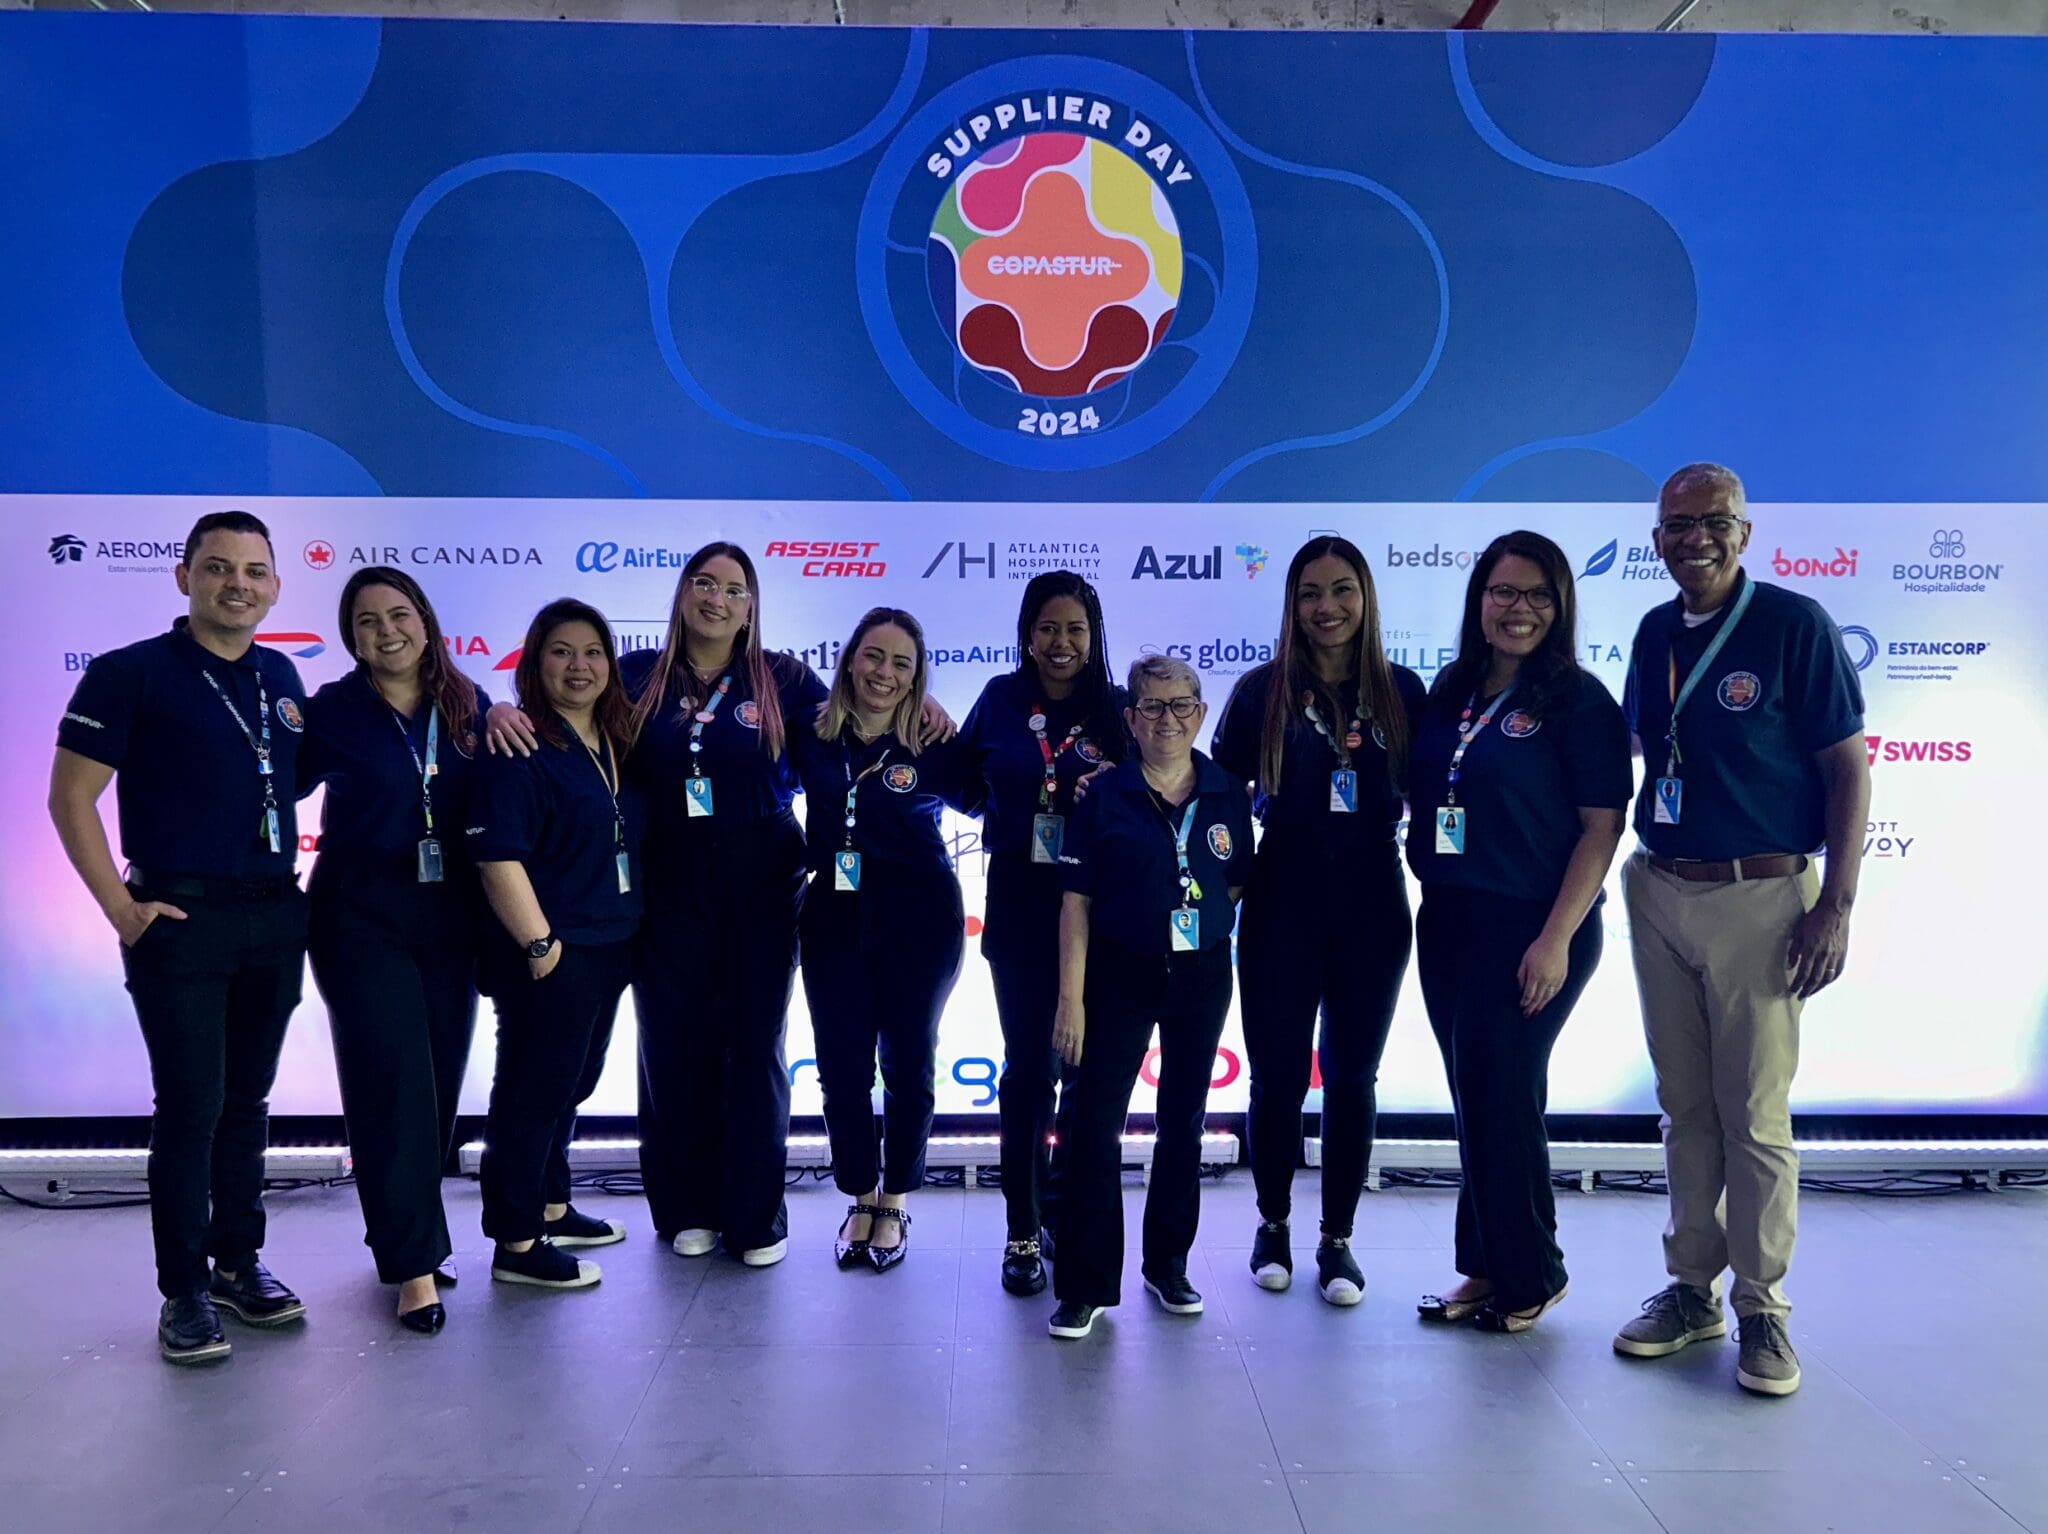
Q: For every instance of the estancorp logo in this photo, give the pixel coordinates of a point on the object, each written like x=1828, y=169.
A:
x=1814, y=567
x=1946, y=569
x=1889, y=748
x=830, y=559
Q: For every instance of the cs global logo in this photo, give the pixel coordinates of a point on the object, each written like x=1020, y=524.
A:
x=1037, y=233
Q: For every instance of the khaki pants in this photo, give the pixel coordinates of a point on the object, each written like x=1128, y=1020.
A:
x=1723, y=1031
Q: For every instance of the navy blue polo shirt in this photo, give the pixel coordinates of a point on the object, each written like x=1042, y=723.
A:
x=1523, y=782
x=372, y=820
x=1782, y=689
x=897, y=797
x=747, y=784
x=551, y=812
x=999, y=734
x=1299, y=814
x=186, y=782
x=1120, y=853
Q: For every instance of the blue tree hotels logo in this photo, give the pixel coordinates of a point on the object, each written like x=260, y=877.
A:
x=1637, y=562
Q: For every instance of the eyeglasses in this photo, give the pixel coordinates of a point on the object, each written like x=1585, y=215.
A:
x=1154, y=709
x=705, y=586
x=1682, y=527
x=1540, y=598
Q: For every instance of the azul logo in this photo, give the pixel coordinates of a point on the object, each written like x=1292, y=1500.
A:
x=427, y=554
x=1946, y=569
x=1435, y=557
x=1883, y=839
x=601, y=558
x=1887, y=748
x=1214, y=654
x=1015, y=561
x=118, y=556
x=1815, y=567
x=1154, y=566
x=1861, y=645
x=1253, y=558
x=1639, y=562
x=302, y=646
x=831, y=559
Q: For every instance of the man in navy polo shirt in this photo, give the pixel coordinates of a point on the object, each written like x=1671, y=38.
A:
x=1750, y=720
x=201, y=725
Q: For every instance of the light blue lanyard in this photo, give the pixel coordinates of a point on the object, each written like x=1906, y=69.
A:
x=1466, y=737
x=1180, y=846
x=1699, y=669
x=704, y=716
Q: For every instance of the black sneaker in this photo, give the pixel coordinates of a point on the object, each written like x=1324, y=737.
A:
x=1023, y=1269
x=1073, y=1319
x=1272, y=1261
x=188, y=1330
x=1176, y=1296
x=1337, y=1272
x=543, y=1265
x=253, y=1296
x=575, y=1228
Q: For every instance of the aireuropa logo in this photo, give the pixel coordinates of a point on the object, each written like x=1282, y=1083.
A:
x=1947, y=568
x=602, y=557
x=1435, y=557
x=1814, y=566
x=1887, y=841
x=1253, y=558
x=1889, y=748
x=118, y=556
x=830, y=558
x=295, y=642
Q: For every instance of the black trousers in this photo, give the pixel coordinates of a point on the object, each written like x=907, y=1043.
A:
x=711, y=989
x=1022, y=946
x=1187, y=996
x=213, y=994
x=402, y=1009
x=1470, y=945
x=878, y=966
x=1319, y=937
x=552, y=1036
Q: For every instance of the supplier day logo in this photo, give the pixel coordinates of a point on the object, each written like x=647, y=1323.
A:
x=1912, y=660
x=1947, y=567
x=1013, y=560
x=117, y=556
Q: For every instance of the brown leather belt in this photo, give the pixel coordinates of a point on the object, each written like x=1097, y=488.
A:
x=1770, y=865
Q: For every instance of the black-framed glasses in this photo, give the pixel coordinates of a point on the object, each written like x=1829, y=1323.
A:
x=1540, y=598
x=1154, y=709
x=1682, y=527
x=705, y=586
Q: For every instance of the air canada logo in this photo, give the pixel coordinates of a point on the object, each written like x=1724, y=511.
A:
x=1219, y=841
x=1739, y=691
x=901, y=778
x=1520, y=724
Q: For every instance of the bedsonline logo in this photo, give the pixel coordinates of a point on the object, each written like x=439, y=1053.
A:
x=1947, y=567
x=1889, y=748
x=830, y=559
x=1435, y=557
x=1638, y=562
x=117, y=556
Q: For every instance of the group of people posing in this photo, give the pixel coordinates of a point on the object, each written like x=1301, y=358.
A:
x=628, y=821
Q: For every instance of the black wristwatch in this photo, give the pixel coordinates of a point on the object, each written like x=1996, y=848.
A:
x=539, y=947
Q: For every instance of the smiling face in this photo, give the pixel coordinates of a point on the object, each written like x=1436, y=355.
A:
x=573, y=668
x=1165, y=742
x=1061, y=642
x=1704, y=560
x=711, y=612
x=1329, y=603
x=1519, y=626
x=388, y=633
x=884, y=669
x=230, y=580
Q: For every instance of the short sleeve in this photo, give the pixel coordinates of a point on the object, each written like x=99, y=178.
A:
x=96, y=722
x=1828, y=701
x=957, y=776
x=802, y=691
x=1077, y=847
x=1630, y=704
x=505, y=809
x=1236, y=745
x=318, y=757
x=1238, y=871
x=1599, y=772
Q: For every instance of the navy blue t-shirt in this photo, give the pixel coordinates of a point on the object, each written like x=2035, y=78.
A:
x=1522, y=784
x=1299, y=814
x=187, y=783
x=552, y=813
x=896, y=804
x=1120, y=853
x=1782, y=689
x=999, y=734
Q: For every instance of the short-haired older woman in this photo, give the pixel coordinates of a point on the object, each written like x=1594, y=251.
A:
x=1152, y=868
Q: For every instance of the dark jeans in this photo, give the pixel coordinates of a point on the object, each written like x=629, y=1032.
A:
x=888, y=1000
x=213, y=994
x=1314, y=937
x=552, y=1036
x=1187, y=997
x=1021, y=944
x=1470, y=945
x=402, y=1009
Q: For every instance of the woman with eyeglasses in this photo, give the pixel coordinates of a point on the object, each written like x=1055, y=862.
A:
x=1153, y=864
x=1520, y=782
x=1036, y=732
x=883, y=929
x=1320, y=734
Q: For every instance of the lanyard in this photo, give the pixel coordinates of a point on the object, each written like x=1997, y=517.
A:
x=1341, y=747
x=853, y=783
x=1679, y=695
x=1467, y=735
x=611, y=786
x=703, y=717
x=426, y=769
x=1050, y=753
x=259, y=742
x=1188, y=888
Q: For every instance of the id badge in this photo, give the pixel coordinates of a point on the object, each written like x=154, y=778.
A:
x=270, y=831
x=698, y=792
x=625, y=865
x=430, y=860
x=1047, y=833
x=1450, y=830
x=846, y=872
x=1670, y=795
x=1187, y=931
x=1344, y=792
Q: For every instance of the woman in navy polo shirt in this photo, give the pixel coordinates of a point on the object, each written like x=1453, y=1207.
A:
x=1154, y=861
x=556, y=836
x=1321, y=734
x=397, y=915
x=1035, y=731
x=1521, y=778
x=882, y=928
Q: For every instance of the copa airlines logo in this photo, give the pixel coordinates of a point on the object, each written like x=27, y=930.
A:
x=1889, y=748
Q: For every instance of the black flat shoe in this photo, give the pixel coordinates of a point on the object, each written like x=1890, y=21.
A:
x=254, y=1296
x=886, y=1257
x=188, y=1330
x=427, y=1320
x=1023, y=1269
x=847, y=1252
x=1493, y=1319
x=445, y=1274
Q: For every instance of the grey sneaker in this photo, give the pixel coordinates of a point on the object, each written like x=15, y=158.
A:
x=1673, y=1317
x=1767, y=1364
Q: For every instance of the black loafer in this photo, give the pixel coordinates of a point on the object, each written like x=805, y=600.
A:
x=886, y=1257
x=254, y=1297
x=427, y=1320
x=188, y=1330
x=1023, y=1269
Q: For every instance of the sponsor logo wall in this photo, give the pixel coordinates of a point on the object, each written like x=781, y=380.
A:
x=1939, y=753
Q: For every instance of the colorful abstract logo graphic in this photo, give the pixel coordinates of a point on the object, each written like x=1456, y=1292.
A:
x=1055, y=264
x=301, y=645
x=1254, y=559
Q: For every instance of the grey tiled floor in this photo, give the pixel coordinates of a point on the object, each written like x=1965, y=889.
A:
x=705, y=1396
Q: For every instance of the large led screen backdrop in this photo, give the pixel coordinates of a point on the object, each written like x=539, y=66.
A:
x=534, y=310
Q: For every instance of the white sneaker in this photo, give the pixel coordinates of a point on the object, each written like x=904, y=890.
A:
x=694, y=1243
x=766, y=1256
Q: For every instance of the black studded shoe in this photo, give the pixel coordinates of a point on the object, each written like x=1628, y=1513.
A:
x=886, y=1257
x=846, y=1251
